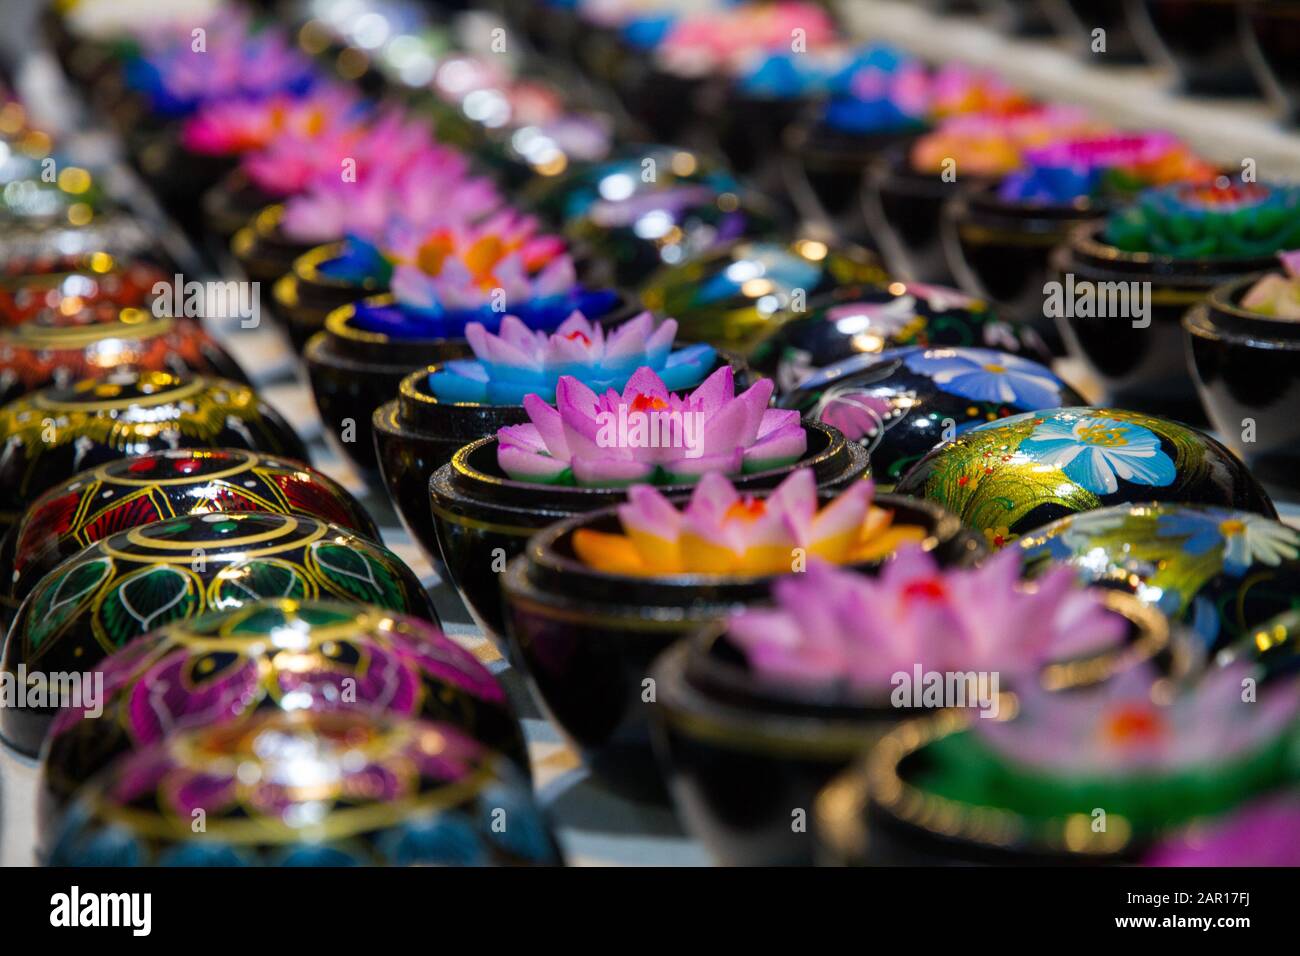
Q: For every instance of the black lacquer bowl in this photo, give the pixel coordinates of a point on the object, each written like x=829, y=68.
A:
x=415, y=435
x=308, y=788
x=234, y=203
x=904, y=210
x=824, y=167
x=735, y=295
x=1200, y=39
x=1001, y=251
x=262, y=248
x=1019, y=473
x=137, y=580
x=746, y=756
x=588, y=639
x=354, y=371
x=340, y=657
x=130, y=492
x=304, y=297
x=1247, y=370
x=876, y=813
x=483, y=518
x=56, y=432
x=1141, y=367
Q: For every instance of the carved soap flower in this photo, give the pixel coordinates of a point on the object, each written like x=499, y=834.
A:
x=1277, y=296
x=424, y=189
x=235, y=61
x=985, y=144
x=1103, y=166
x=721, y=531
x=956, y=88
x=1224, y=219
x=230, y=127
x=649, y=434
x=835, y=627
x=383, y=144
x=518, y=361
x=471, y=268
x=883, y=90
x=1121, y=728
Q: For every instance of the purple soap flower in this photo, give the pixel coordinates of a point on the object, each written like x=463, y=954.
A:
x=835, y=627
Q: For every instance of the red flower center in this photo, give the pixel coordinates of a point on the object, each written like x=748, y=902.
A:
x=648, y=403
x=747, y=509
x=577, y=336
x=1134, y=723
x=925, y=589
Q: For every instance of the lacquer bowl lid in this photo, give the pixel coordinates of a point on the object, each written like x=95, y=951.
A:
x=276, y=655
x=54, y=349
x=138, y=580
x=166, y=484
x=1022, y=472
x=308, y=788
x=60, y=431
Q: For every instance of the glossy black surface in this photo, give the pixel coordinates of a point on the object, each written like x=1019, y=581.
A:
x=1001, y=251
x=1247, y=370
x=1142, y=368
x=904, y=211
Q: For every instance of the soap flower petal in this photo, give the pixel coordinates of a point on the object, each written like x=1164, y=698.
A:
x=914, y=613
x=723, y=531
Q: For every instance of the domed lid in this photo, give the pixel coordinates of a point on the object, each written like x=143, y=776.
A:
x=135, y=491
x=276, y=654
x=307, y=788
x=1026, y=470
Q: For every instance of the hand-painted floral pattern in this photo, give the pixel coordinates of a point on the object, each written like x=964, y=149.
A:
x=983, y=375
x=1095, y=451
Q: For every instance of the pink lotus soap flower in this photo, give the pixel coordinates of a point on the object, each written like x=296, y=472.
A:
x=1120, y=729
x=1277, y=296
x=648, y=434
x=238, y=126
x=833, y=627
x=518, y=361
x=722, y=532
x=1263, y=833
x=429, y=189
